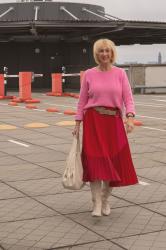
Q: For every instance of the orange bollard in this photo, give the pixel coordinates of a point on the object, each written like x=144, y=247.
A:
x=25, y=79
x=52, y=110
x=30, y=106
x=56, y=83
x=138, y=123
x=32, y=101
x=69, y=112
x=2, y=86
x=13, y=103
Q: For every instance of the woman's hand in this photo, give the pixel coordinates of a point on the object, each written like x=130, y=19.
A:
x=129, y=124
x=76, y=130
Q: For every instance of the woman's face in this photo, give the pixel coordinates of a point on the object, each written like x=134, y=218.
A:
x=104, y=55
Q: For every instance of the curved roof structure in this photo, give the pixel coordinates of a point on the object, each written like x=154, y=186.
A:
x=51, y=11
x=72, y=22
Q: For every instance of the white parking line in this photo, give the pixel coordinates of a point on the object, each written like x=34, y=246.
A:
x=159, y=100
x=158, y=96
x=60, y=105
x=144, y=183
x=42, y=110
x=150, y=105
x=151, y=117
x=4, y=104
x=19, y=143
x=22, y=107
x=157, y=129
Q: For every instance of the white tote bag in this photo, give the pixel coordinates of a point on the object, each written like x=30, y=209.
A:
x=72, y=177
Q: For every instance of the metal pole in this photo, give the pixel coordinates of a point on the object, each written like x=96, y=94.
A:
x=63, y=79
x=5, y=69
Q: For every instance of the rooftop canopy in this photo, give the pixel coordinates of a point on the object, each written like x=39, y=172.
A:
x=72, y=22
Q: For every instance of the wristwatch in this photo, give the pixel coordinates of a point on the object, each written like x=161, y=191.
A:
x=130, y=115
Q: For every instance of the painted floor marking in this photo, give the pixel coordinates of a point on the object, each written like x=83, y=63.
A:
x=158, y=95
x=4, y=104
x=159, y=100
x=22, y=107
x=65, y=123
x=60, y=105
x=19, y=143
x=144, y=183
x=7, y=127
x=41, y=110
x=157, y=129
x=36, y=125
x=150, y=105
x=151, y=117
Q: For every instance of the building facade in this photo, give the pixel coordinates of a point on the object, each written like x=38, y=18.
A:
x=46, y=37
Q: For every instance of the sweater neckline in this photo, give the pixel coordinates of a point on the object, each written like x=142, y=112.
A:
x=107, y=71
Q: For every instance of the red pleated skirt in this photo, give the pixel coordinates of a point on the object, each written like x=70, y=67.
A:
x=105, y=150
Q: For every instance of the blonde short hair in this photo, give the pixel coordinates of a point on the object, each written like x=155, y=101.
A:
x=104, y=43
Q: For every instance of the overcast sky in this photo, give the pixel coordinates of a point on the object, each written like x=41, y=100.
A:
x=153, y=10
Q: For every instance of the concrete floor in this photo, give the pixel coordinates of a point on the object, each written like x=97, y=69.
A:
x=37, y=213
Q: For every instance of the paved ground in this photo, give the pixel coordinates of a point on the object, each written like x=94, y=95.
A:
x=37, y=213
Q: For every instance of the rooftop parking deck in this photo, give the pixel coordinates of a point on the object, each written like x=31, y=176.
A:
x=37, y=213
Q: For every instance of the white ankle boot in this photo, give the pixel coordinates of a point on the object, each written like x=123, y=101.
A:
x=106, y=191
x=96, y=198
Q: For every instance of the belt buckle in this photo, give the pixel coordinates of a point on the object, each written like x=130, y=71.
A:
x=112, y=112
x=108, y=111
x=104, y=111
x=100, y=110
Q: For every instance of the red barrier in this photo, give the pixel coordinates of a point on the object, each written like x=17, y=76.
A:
x=56, y=85
x=2, y=87
x=25, y=79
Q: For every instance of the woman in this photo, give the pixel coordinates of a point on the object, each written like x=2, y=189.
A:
x=106, y=155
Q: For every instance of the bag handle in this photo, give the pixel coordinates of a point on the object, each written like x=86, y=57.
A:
x=76, y=141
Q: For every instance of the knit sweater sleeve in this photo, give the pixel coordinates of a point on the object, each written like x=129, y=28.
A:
x=83, y=98
x=127, y=94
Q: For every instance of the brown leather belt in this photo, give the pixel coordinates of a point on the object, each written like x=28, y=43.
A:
x=105, y=111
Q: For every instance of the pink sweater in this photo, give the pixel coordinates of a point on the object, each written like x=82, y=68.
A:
x=105, y=88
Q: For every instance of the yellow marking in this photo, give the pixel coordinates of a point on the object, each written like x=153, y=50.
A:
x=6, y=127
x=36, y=125
x=66, y=123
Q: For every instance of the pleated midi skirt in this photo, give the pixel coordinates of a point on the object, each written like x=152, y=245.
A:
x=105, y=150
